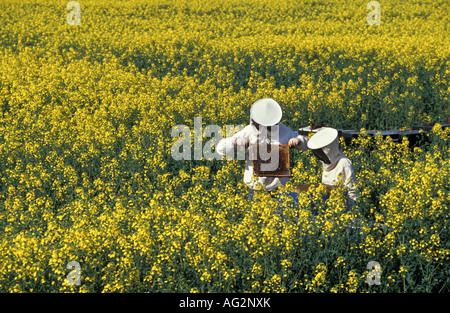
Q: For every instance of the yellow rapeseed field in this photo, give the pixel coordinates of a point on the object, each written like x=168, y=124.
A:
x=86, y=172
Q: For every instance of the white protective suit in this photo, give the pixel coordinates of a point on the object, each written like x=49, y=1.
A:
x=338, y=165
x=227, y=147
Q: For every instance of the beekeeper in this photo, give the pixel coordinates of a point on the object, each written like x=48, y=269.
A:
x=336, y=166
x=264, y=127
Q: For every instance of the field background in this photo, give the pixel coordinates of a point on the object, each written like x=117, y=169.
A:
x=85, y=164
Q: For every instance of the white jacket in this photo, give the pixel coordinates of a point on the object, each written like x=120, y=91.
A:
x=340, y=165
x=226, y=147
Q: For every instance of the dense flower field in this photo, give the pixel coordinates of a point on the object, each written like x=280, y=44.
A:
x=86, y=172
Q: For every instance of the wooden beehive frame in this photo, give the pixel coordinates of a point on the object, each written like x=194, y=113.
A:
x=283, y=162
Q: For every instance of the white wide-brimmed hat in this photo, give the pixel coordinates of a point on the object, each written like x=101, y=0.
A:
x=266, y=112
x=322, y=138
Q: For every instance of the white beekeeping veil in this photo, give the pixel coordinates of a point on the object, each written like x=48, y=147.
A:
x=325, y=145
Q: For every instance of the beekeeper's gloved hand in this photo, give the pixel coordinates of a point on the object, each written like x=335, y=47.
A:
x=293, y=142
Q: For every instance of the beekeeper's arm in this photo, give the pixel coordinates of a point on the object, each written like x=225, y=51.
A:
x=350, y=184
x=227, y=146
x=298, y=141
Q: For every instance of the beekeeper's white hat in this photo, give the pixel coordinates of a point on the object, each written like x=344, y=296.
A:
x=266, y=112
x=322, y=138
